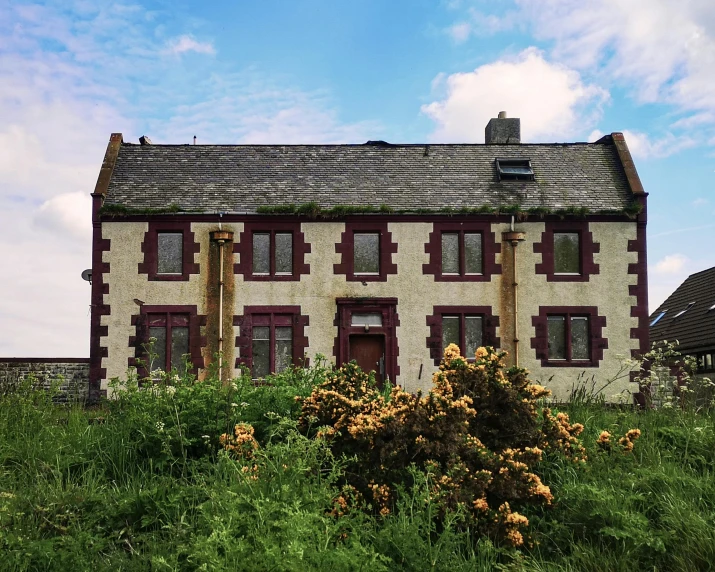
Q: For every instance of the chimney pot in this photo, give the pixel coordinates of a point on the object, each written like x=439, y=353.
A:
x=502, y=115
x=144, y=140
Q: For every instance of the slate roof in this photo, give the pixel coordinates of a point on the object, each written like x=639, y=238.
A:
x=240, y=178
x=695, y=329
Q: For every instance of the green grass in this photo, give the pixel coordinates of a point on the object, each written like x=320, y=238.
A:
x=141, y=485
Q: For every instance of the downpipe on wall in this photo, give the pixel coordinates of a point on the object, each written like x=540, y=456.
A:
x=514, y=238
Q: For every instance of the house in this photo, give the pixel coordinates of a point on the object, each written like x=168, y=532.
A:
x=688, y=316
x=260, y=256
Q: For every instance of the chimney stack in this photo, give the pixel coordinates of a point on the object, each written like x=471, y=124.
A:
x=503, y=131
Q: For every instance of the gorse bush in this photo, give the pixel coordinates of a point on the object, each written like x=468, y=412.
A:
x=477, y=436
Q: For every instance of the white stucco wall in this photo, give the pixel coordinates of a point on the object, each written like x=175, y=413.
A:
x=416, y=293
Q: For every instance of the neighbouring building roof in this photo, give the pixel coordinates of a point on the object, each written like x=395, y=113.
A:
x=688, y=315
x=242, y=178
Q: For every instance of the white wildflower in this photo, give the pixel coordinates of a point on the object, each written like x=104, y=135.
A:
x=160, y=426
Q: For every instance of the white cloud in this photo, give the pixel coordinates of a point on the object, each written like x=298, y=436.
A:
x=68, y=215
x=188, y=43
x=699, y=202
x=671, y=264
x=460, y=32
x=642, y=146
x=551, y=100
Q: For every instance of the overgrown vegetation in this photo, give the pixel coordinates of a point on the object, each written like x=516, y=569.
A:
x=186, y=475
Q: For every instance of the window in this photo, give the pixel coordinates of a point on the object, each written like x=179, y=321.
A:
x=567, y=253
x=366, y=250
x=270, y=339
x=706, y=361
x=470, y=327
x=172, y=341
x=514, y=170
x=272, y=344
x=272, y=253
x=461, y=253
x=170, y=252
x=658, y=318
x=177, y=331
x=568, y=337
x=683, y=311
x=366, y=253
x=464, y=330
x=169, y=249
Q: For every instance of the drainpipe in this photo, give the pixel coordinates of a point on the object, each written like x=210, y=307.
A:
x=221, y=236
x=515, y=237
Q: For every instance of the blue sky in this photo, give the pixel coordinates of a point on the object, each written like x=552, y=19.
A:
x=310, y=71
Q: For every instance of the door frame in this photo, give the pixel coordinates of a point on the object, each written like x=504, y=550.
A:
x=390, y=320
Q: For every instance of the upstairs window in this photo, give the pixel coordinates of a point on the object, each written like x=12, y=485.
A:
x=514, y=170
x=461, y=253
x=567, y=253
x=170, y=252
x=272, y=253
x=366, y=253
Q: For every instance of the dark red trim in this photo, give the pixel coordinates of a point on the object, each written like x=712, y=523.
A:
x=244, y=247
x=196, y=340
x=490, y=248
x=98, y=308
x=434, y=340
x=43, y=360
x=540, y=341
x=390, y=321
x=640, y=289
x=150, y=249
x=347, y=243
x=586, y=245
x=244, y=339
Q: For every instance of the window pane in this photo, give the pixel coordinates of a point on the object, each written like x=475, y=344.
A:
x=473, y=252
x=450, y=253
x=284, y=253
x=579, y=338
x=170, y=249
x=473, y=334
x=261, y=351
x=450, y=331
x=157, y=361
x=367, y=319
x=366, y=251
x=179, y=346
x=566, y=253
x=261, y=253
x=557, y=337
x=284, y=347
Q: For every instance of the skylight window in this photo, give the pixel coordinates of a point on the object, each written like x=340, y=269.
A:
x=711, y=308
x=658, y=318
x=514, y=170
x=683, y=311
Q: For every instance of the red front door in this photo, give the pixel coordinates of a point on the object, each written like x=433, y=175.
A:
x=369, y=353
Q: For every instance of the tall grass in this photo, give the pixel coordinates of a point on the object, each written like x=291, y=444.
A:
x=141, y=484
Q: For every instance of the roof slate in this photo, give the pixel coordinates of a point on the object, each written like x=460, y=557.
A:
x=696, y=328
x=241, y=178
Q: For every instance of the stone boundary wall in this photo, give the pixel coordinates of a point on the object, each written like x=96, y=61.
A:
x=74, y=373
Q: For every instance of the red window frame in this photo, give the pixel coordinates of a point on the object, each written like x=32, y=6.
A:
x=168, y=321
x=346, y=248
x=462, y=253
x=244, y=247
x=256, y=315
x=597, y=343
x=489, y=327
x=150, y=248
x=490, y=248
x=271, y=253
x=587, y=248
x=568, y=337
x=272, y=321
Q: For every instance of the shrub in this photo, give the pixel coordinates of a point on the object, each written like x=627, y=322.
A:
x=477, y=435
